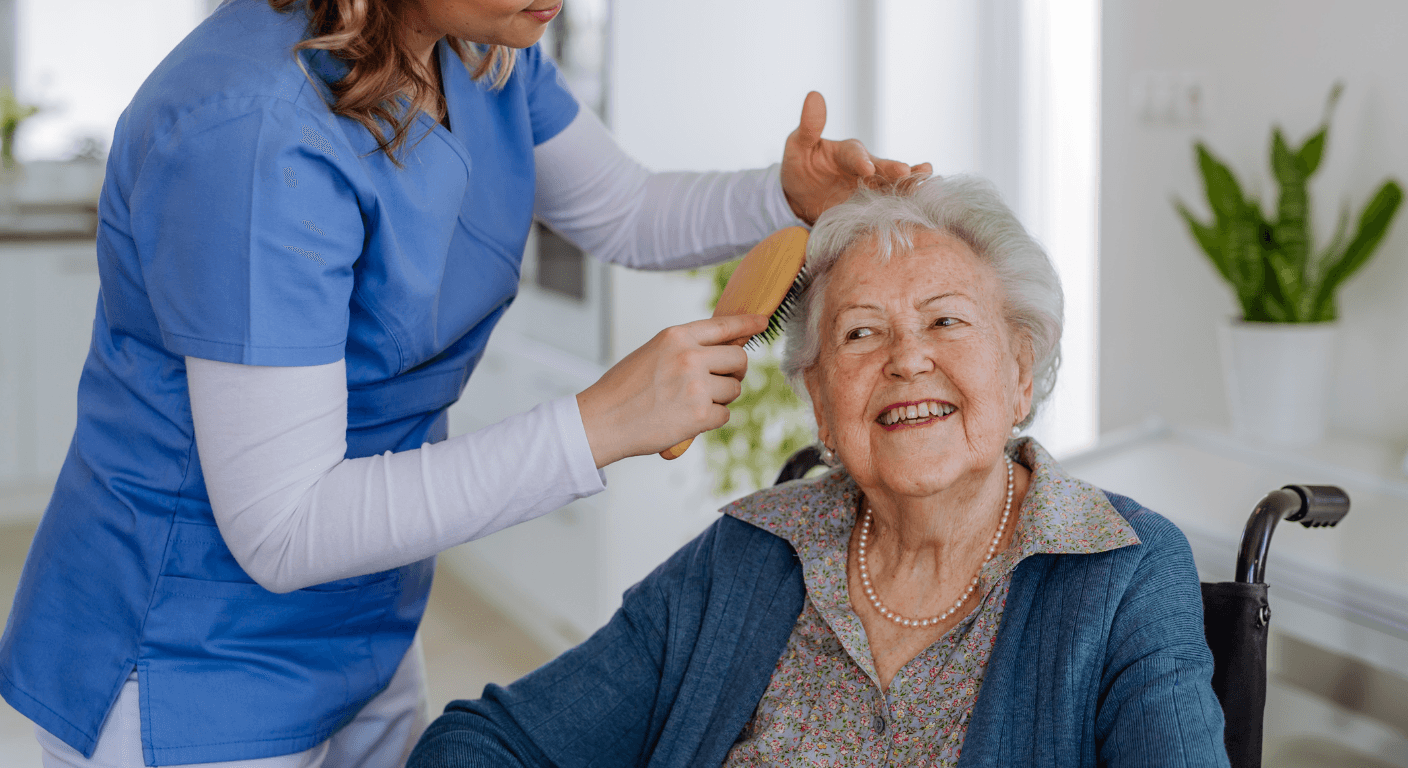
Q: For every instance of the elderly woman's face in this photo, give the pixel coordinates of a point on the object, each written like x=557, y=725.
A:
x=918, y=381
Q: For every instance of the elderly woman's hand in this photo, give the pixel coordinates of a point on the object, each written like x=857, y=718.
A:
x=818, y=173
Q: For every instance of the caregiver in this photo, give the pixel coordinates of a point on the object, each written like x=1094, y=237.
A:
x=313, y=216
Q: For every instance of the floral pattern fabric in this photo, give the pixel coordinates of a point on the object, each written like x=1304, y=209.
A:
x=824, y=705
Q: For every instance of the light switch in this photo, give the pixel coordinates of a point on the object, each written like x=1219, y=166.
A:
x=1168, y=98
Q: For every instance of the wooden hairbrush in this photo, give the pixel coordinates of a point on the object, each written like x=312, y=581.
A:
x=766, y=282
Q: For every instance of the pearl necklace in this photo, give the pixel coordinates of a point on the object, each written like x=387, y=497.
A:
x=901, y=620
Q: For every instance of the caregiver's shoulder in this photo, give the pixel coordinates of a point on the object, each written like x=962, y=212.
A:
x=242, y=51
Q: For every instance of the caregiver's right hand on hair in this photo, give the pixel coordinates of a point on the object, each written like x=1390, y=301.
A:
x=673, y=388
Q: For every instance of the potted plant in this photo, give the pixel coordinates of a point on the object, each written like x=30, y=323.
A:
x=12, y=113
x=1278, y=355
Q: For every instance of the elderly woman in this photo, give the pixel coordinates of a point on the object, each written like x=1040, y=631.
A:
x=944, y=590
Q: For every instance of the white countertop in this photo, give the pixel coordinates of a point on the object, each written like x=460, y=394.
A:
x=1207, y=483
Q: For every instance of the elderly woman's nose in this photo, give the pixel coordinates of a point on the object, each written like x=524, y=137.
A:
x=909, y=355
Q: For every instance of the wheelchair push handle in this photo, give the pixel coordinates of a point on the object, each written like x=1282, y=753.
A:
x=1313, y=506
x=1322, y=505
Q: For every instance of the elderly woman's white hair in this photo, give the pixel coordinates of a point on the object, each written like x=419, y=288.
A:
x=966, y=207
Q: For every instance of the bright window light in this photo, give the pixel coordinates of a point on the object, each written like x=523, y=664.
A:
x=82, y=61
x=951, y=78
x=1060, y=180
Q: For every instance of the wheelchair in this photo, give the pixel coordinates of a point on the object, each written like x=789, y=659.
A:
x=1236, y=614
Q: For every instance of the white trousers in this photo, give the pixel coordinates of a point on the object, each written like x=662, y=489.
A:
x=380, y=736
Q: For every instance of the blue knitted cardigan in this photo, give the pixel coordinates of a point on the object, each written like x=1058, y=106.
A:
x=1100, y=660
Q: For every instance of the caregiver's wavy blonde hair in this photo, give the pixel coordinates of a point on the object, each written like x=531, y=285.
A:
x=386, y=85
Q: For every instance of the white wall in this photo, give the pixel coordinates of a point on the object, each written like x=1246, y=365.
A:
x=1262, y=62
x=701, y=86
x=928, y=103
x=83, y=60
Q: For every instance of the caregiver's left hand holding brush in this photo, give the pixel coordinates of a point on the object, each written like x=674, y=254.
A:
x=312, y=218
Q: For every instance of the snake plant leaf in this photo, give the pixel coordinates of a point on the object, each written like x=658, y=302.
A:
x=1273, y=310
x=1373, y=225
x=1327, y=257
x=1284, y=286
x=1242, y=243
x=1257, y=239
x=1238, y=222
x=1209, y=240
x=1312, y=151
x=1332, y=250
x=1292, y=228
x=1336, y=91
x=1224, y=193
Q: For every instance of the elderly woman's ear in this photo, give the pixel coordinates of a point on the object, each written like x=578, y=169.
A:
x=1025, y=383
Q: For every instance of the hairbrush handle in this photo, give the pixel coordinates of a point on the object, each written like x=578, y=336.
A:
x=677, y=450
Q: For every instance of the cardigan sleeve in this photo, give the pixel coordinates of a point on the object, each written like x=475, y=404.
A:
x=670, y=680
x=594, y=701
x=1157, y=704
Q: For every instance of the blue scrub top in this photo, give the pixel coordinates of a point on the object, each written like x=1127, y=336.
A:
x=242, y=221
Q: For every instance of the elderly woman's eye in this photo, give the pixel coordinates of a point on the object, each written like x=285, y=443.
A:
x=858, y=333
x=945, y=322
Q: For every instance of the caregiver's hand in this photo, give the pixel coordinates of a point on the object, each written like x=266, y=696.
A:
x=818, y=173
x=673, y=388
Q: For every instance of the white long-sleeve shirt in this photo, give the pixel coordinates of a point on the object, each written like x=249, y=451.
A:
x=296, y=512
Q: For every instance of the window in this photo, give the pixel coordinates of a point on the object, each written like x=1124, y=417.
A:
x=1009, y=89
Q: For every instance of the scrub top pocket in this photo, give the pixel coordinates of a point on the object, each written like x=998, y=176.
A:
x=270, y=653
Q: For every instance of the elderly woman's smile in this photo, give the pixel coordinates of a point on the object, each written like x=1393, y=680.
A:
x=917, y=381
x=903, y=415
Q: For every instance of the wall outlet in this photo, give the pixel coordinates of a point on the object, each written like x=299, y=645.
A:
x=1169, y=99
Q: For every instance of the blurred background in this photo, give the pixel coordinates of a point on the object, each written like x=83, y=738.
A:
x=1084, y=113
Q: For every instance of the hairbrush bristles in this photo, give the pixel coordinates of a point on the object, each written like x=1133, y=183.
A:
x=780, y=316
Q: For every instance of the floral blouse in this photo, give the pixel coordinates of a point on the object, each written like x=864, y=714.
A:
x=824, y=705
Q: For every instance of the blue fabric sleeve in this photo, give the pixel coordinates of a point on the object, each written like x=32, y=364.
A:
x=247, y=229
x=551, y=106
x=591, y=705
x=1157, y=703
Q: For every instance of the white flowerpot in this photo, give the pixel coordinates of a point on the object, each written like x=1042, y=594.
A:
x=1278, y=379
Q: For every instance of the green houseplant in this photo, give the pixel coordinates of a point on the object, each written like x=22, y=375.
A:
x=1271, y=262
x=12, y=113
x=1278, y=356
